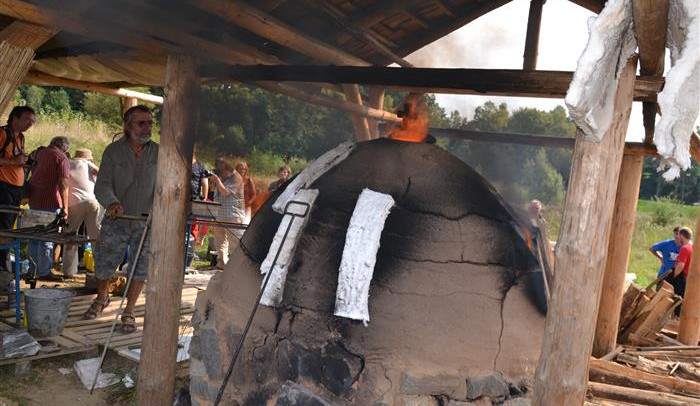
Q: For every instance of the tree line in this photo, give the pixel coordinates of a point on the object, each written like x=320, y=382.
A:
x=243, y=121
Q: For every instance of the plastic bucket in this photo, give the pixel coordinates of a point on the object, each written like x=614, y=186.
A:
x=47, y=310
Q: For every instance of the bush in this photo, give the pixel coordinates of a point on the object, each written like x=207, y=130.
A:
x=665, y=211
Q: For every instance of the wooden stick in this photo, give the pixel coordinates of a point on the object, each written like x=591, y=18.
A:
x=638, y=396
x=677, y=384
x=613, y=378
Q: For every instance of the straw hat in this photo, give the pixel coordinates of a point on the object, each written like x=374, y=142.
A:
x=83, y=153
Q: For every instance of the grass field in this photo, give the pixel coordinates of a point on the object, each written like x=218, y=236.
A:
x=655, y=222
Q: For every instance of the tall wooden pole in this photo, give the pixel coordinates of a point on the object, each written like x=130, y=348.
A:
x=689, y=330
x=375, y=100
x=172, y=199
x=650, y=20
x=128, y=103
x=619, y=249
x=532, y=39
x=352, y=94
x=562, y=371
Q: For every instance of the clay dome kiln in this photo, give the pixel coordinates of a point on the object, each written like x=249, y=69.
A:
x=454, y=301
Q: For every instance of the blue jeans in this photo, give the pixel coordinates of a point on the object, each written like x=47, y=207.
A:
x=41, y=254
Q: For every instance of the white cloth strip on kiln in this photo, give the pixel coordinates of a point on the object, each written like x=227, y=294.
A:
x=275, y=287
x=679, y=101
x=360, y=254
x=591, y=95
x=321, y=165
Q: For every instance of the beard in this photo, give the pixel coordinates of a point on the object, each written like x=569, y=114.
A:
x=141, y=139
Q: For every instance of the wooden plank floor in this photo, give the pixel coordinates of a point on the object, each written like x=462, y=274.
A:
x=81, y=335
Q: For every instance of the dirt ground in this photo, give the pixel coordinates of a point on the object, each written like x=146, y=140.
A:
x=45, y=385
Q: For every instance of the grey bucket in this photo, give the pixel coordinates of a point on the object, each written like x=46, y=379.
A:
x=47, y=310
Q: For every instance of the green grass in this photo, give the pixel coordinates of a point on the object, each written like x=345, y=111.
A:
x=654, y=222
x=647, y=231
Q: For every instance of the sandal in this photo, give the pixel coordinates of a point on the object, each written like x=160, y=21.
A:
x=128, y=323
x=96, y=308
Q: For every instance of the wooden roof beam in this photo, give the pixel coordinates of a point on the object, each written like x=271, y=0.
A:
x=383, y=9
x=330, y=11
x=445, y=8
x=415, y=18
x=43, y=79
x=650, y=20
x=23, y=11
x=26, y=35
x=546, y=84
x=593, y=5
x=169, y=30
x=548, y=141
x=470, y=11
x=321, y=100
x=56, y=18
x=532, y=38
x=267, y=26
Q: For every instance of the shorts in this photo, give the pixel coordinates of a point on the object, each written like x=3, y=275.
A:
x=116, y=236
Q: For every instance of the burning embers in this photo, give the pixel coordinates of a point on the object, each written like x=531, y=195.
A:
x=450, y=297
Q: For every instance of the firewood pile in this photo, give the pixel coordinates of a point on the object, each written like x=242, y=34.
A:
x=644, y=313
x=649, y=367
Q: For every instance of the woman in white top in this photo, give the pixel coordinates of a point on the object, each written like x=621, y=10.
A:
x=82, y=205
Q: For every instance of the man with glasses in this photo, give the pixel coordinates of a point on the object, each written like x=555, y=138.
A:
x=12, y=160
x=125, y=186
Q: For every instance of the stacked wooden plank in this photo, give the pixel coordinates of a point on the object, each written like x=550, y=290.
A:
x=80, y=335
x=661, y=377
x=650, y=368
x=644, y=313
x=97, y=330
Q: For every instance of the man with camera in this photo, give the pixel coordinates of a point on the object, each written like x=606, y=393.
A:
x=12, y=160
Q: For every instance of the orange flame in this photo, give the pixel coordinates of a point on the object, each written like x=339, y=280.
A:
x=528, y=238
x=259, y=200
x=414, y=127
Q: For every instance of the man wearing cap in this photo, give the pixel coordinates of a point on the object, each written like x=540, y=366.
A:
x=82, y=205
x=125, y=187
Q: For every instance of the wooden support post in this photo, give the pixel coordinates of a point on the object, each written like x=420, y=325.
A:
x=376, y=101
x=172, y=200
x=650, y=20
x=532, y=39
x=562, y=371
x=619, y=248
x=689, y=330
x=129, y=102
x=352, y=94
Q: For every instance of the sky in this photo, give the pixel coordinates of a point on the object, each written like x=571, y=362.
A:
x=497, y=40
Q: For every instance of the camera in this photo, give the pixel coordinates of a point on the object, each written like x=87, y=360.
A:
x=207, y=173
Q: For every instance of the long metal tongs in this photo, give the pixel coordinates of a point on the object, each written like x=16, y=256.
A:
x=306, y=208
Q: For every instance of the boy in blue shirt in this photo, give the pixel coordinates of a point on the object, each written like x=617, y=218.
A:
x=667, y=252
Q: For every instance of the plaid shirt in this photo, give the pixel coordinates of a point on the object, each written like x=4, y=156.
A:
x=232, y=205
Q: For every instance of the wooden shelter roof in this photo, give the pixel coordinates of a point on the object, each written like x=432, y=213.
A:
x=126, y=43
